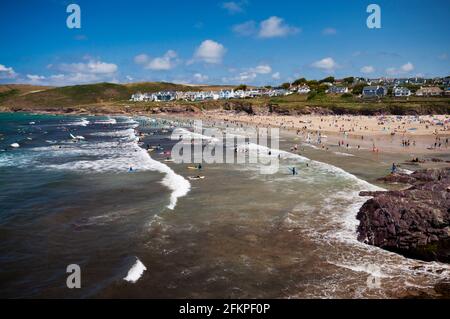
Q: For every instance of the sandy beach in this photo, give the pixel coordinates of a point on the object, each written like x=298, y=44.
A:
x=428, y=134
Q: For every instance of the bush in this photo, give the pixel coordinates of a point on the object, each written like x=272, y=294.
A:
x=346, y=95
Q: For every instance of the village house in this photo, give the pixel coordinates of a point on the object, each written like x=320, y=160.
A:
x=374, y=91
x=226, y=94
x=304, y=89
x=401, y=91
x=337, y=90
x=429, y=91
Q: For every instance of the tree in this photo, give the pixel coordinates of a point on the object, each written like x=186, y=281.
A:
x=299, y=82
x=358, y=88
x=286, y=85
x=313, y=84
x=329, y=79
x=412, y=87
x=242, y=87
x=346, y=95
x=322, y=88
x=349, y=80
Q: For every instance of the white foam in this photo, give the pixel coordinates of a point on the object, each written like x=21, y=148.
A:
x=135, y=272
x=343, y=154
x=119, y=156
x=81, y=122
x=108, y=121
x=176, y=183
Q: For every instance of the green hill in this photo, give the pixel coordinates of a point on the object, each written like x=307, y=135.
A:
x=78, y=95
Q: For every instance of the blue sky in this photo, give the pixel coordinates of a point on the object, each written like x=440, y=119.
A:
x=220, y=42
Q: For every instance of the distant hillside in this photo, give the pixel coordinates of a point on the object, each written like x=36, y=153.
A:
x=8, y=91
x=22, y=96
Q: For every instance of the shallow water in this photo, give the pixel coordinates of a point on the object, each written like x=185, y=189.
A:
x=236, y=233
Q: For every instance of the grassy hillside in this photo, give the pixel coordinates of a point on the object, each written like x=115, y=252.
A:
x=78, y=95
x=8, y=91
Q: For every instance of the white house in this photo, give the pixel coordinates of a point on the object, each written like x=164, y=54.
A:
x=401, y=91
x=137, y=97
x=226, y=94
x=304, y=89
x=337, y=90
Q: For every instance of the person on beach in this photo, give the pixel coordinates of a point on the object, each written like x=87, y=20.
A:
x=394, y=168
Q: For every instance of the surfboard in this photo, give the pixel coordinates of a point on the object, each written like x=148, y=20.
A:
x=193, y=178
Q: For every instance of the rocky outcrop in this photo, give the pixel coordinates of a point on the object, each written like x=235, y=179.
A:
x=175, y=109
x=414, y=222
x=239, y=106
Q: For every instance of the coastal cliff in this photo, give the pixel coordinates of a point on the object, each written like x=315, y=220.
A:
x=414, y=222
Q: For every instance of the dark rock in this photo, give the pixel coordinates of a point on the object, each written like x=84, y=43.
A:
x=239, y=106
x=414, y=222
x=443, y=288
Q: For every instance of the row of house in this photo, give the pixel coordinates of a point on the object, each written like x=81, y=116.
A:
x=380, y=91
x=367, y=92
x=192, y=96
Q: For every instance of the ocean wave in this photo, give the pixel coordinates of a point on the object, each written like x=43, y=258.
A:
x=135, y=272
x=81, y=122
x=107, y=121
x=115, y=155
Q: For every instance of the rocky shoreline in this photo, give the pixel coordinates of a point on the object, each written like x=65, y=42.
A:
x=414, y=222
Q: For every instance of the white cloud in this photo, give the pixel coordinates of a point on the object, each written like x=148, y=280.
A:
x=35, y=78
x=91, y=67
x=276, y=27
x=367, y=69
x=276, y=76
x=246, y=76
x=210, y=51
x=233, y=7
x=167, y=62
x=7, y=72
x=326, y=64
x=329, y=31
x=199, y=78
x=141, y=59
x=163, y=63
x=270, y=28
x=129, y=78
x=250, y=74
x=245, y=29
x=443, y=56
x=408, y=67
x=77, y=73
x=404, y=69
x=262, y=69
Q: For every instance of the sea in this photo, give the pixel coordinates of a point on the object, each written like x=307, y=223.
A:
x=101, y=193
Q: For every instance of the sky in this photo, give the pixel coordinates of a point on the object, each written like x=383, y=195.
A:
x=258, y=42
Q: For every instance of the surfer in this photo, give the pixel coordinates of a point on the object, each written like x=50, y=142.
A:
x=130, y=169
x=394, y=168
x=294, y=171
